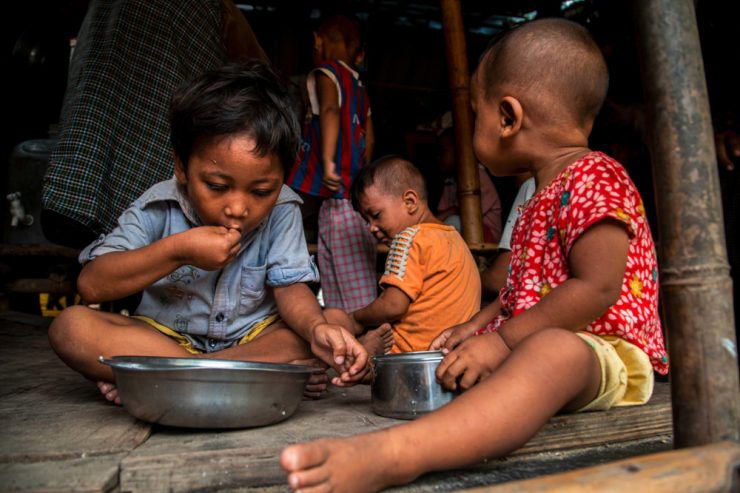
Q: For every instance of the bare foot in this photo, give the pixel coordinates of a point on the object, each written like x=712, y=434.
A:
x=316, y=385
x=318, y=381
x=110, y=392
x=377, y=341
x=361, y=463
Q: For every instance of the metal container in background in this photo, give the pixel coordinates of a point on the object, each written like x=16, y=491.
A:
x=405, y=386
x=208, y=393
x=22, y=203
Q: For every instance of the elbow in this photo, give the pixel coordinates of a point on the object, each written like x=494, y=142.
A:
x=87, y=289
x=330, y=110
x=395, y=312
x=607, y=296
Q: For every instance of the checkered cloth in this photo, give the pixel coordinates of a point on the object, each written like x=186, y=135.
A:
x=114, y=144
x=347, y=255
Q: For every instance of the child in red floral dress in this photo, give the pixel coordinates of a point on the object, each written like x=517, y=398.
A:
x=576, y=326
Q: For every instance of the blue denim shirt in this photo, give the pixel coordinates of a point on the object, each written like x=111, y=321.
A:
x=213, y=309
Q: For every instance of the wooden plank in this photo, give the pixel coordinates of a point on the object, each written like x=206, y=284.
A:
x=57, y=430
x=517, y=468
x=616, y=425
x=49, y=412
x=707, y=469
x=185, y=460
x=342, y=412
x=38, y=250
x=212, y=470
x=98, y=474
x=191, y=460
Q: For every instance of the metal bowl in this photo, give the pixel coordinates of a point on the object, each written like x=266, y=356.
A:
x=405, y=387
x=207, y=393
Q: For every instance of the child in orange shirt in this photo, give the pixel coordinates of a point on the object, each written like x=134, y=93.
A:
x=431, y=281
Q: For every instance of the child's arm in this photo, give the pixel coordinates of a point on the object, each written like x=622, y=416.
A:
x=369, y=139
x=452, y=337
x=390, y=306
x=597, y=262
x=329, y=122
x=116, y=275
x=332, y=343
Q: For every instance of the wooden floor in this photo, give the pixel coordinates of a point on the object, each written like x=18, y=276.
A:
x=58, y=434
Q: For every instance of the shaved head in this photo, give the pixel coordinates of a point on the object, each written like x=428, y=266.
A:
x=553, y=66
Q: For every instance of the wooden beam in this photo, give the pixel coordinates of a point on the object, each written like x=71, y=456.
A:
x=37, y=250
x=709, y=469
x=468, y=182
x=695, y=281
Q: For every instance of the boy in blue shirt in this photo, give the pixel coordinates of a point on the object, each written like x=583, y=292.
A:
x=218, y=250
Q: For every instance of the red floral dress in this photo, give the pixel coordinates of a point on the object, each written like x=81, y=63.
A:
x=591, y=189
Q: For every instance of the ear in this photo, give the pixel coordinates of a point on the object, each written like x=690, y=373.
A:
x=318, y=42
x=511, y=114
x=180, y=173
x=411, y=201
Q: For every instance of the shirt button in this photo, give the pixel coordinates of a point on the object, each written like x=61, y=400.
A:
x=211, y=343
x=220, y=317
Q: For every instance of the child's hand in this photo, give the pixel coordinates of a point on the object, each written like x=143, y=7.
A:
x=474, y=360
x=331, y=179
x=210, y=247
x=452, y=337
x=337, y=347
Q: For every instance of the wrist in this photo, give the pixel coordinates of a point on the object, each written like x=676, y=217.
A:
x=509, y=344
x=174, y=248
x=314, y=327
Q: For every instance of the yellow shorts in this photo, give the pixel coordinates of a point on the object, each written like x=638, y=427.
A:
x=188, y=346
x=626, y=373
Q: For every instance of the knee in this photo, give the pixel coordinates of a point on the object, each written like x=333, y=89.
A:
x=62, y=329
x=561, y=347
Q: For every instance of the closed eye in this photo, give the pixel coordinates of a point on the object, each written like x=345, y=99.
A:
x=263, y=193
x=216, y=187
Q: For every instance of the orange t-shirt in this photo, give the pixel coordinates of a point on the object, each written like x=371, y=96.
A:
x=433, y=266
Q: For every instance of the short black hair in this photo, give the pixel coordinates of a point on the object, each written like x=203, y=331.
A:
x=393, y=174
x=241, y=98
x=345, y=28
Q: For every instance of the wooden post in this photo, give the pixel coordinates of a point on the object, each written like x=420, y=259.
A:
x=468, y=182
x=695, y=282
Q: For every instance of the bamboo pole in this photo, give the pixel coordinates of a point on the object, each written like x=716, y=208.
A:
x=468, y=182
x=695, y=282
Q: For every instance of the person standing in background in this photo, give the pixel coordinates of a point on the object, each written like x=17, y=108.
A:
x=129, y=58
x=337, y=142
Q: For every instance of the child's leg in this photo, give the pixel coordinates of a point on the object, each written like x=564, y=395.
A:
x=277, y=343
x=347, y=256
x=549, y=371
x=79, y=335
